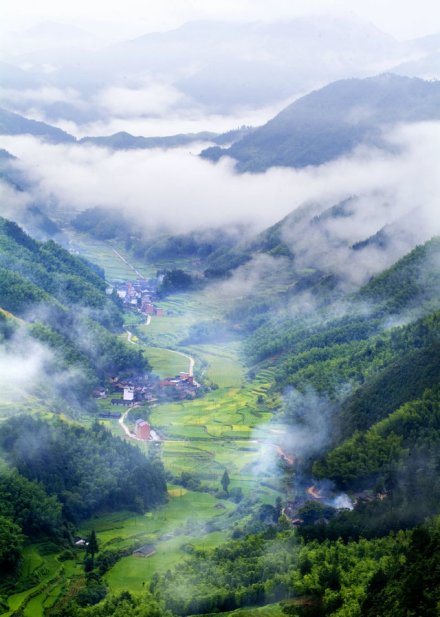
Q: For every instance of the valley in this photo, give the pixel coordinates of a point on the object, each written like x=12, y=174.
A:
x=224, y=428
x=219, y=310
x=282, y=436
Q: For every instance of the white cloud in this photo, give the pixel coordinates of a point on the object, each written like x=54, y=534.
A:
x=12, y=202
x=178, y=189
x=22, y=368
x=45, y=95
x=153, y=98
x=404, y=19
x=177, y=120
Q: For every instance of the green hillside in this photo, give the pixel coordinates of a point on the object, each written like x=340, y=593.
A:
x=63, y=302
x=332, y=121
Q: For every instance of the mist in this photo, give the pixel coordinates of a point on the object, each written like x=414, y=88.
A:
x=177, y=190
x=310, y=422
x=22, y=368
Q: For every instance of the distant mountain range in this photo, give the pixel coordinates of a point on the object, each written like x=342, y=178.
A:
x=216, y=65
x=332, y=121
x=16, y=124
x=317, y=128
x=126, y=141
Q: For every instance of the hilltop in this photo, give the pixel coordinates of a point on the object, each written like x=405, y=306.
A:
x=332, y=121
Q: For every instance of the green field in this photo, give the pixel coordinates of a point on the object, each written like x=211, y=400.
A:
x=165, y=362
x=224, y=428
x=171, y=528
x=103, y=254
x=223, y=364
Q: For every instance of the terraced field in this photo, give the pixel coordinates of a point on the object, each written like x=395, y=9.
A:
x=50, y=578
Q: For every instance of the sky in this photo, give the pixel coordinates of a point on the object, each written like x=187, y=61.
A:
x=401, y=18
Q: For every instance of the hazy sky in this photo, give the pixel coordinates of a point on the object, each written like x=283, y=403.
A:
x=401, y=18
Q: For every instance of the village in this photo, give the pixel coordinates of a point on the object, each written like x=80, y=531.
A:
x=142, y=390
x=141, y=295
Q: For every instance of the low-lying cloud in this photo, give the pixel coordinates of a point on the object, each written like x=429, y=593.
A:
x=152, y=97
x=177, y=189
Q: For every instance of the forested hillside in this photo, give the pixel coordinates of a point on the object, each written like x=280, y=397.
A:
x=59, y=475
x=62, y=302
x=60, y=331
x=332, y=121
x=355, y=374
x=86, y=470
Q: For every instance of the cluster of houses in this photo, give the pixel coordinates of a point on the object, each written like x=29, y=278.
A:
x=140, y=296
x=182, y=386
x=151, y=389
x=135, y=391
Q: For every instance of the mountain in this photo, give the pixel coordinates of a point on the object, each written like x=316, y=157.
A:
x=5, y=156
x=334, y=238
x=427, y=44
x=426, y=67
x=14, y=124
x=31, y=216
x=223, y=64
x=16, y=78
x=332, y=121
x=220, y=66
x=125, y=141
x=361, y=411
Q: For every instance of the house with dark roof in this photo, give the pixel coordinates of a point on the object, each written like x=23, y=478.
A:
x=145, y=551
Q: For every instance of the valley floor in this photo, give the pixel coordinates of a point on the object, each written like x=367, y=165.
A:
x=225, y=428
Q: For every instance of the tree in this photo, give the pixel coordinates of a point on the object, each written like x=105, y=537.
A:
x=225, y=481
x=11, y=544
x=278, y=509
x=92, y=546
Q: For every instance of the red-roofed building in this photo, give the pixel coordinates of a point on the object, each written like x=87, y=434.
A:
x=143, y=430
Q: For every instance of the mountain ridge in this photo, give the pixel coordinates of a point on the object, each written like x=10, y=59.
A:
x=332, y=121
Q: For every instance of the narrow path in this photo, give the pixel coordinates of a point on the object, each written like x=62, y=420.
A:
x=124, y=427
x=122, y=258
x=190, y=358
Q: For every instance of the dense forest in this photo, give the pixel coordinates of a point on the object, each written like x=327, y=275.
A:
x=60, y=474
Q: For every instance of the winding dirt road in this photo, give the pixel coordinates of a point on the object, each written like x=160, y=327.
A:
x=190, y=358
